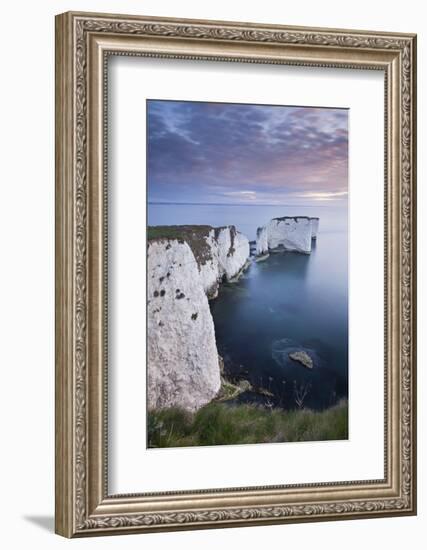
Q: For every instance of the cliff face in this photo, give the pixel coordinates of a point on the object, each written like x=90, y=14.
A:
x=289, y=233
x=262, y=240
x=229, y=251
x=314, y=227
x=182, y=356
x=185, y=265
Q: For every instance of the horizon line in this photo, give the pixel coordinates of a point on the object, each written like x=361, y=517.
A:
x=236, y=204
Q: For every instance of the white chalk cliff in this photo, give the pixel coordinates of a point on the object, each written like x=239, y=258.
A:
x=183, y=269
x=314, y=227
x=287, y=233
x=262, y=241
x=228, y=254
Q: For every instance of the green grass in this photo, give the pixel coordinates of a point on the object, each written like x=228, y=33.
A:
x=176, y=231
x=194, y=235
x=224, y=424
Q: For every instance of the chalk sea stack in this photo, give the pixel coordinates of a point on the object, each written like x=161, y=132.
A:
x=289, y=233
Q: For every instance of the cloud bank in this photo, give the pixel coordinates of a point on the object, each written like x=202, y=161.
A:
x=246, y=154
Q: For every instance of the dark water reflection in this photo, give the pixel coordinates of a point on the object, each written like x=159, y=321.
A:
x=287, y=303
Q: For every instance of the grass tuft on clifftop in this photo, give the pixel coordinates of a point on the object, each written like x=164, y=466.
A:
x=224, y=424
x=194, y=235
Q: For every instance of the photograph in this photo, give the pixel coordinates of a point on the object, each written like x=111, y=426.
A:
x=247, y=273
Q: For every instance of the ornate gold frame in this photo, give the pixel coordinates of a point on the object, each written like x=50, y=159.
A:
x=83, y=42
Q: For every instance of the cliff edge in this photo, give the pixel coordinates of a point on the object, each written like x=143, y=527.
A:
x=185, y=265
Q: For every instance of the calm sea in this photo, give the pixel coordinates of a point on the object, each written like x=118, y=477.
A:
x=287, y=303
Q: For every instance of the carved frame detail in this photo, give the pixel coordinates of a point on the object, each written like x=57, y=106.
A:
x=83, y=506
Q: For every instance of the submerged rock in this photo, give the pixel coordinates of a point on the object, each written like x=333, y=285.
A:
x=303, y=358
x=264, y=392
x=284, y=349
x=230, y=390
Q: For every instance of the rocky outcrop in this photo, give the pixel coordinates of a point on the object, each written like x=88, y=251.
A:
x=287, y=352
x=314, y=227
x=293, y=233
x=262, y=241
x=185, y=265
x=303, y=358
x=229, y=252
x=183, y=367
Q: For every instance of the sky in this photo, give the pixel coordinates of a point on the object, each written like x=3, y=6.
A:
x=224, y=153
